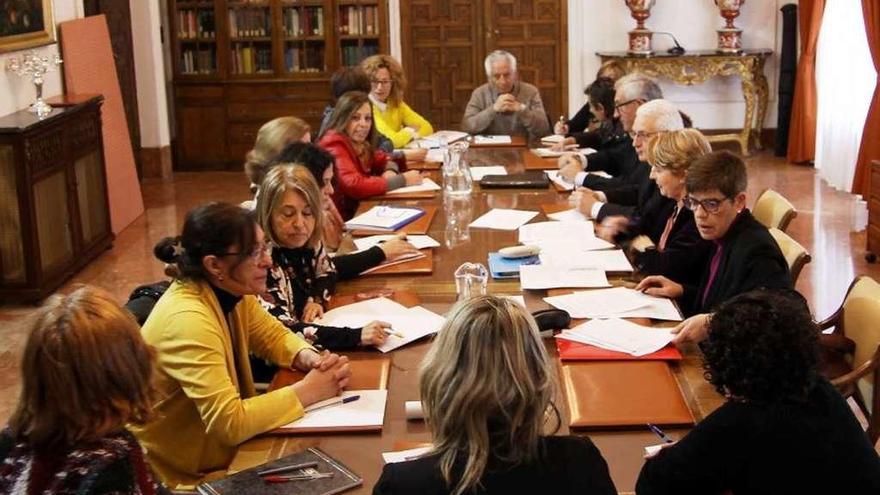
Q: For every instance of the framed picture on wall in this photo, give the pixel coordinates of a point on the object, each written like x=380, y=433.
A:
x=25, y=24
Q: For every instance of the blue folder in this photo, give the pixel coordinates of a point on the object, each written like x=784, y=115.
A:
x=501, y=267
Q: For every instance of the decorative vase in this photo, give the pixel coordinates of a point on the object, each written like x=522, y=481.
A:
x=730, y=36
x=640, y=37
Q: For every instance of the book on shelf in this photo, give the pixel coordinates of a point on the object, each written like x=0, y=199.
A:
x=304, y=21
x=250, y=22
x=195, y=23
x=251, y=60
x=202, y=61
x=359, y=20
x=309, y=58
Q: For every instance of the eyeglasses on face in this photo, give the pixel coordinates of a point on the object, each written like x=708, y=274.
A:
x=381, y=82
x=260, y=250
x=710, y=205
x=625, y=103
x=641, y=134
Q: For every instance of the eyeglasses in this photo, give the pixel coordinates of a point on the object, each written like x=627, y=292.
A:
x=641, y=134
x=256, y=255
x=710, y=205
x=381, y=82
x=627, y=102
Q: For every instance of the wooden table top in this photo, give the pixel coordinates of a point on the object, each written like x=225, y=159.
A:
x=622, y=449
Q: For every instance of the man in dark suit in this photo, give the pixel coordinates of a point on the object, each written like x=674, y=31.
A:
x=745, y=255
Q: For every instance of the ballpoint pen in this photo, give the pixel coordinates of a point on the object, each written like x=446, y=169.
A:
x=659, y=432
x=291, y=467
x=297, y=477
x=337, y=402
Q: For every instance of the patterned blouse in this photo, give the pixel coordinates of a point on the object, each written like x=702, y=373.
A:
x=114, y=464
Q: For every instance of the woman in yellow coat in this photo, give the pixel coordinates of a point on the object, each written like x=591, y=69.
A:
x=203, y=329
x=394, y=119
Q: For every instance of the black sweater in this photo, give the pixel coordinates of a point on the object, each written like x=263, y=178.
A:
x=746, y=448
x=569, y=465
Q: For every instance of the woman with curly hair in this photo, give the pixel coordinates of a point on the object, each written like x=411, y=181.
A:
x=394, y=118
x=487, y=387
x=784, y=429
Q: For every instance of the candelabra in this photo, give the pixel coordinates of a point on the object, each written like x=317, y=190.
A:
x=35, y=66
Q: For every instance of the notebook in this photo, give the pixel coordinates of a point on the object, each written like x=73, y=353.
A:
x=249, y=482
x=384, y=218
x=501, y=267
x=367, y=413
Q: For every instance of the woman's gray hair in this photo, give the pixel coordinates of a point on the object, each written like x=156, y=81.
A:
x=496, y=56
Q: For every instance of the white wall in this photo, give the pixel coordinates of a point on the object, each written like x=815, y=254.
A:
x=150, y=73
x=16, y=92
x=601, y=25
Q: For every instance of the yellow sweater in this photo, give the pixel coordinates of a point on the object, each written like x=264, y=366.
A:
x=392, y=121
x=206, y=404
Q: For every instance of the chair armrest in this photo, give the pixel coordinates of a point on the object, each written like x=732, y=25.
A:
x=866, y=367
x=837, y=342
x=831, y=321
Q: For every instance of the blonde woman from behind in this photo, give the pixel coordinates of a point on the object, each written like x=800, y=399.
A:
x=487, y=388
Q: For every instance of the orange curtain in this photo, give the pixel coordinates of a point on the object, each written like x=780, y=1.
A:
x=802, y=133
x=870, y=149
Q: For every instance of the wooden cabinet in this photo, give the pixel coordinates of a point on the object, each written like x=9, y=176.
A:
x=445, y=42
x=874, y=212
x=54, y=212
x=240, y=63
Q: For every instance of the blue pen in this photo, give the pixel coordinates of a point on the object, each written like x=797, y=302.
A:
x=338, y=402
x=659, y=432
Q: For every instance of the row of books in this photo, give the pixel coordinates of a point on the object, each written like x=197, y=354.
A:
x=192, y=23
x=244, y=23
x=198, y=61
x=305, y=21
x=251, y=60
x=304, y=58
x=355, y=20
x=353, y=54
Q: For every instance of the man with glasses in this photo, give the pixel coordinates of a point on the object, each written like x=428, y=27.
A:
x=744, y=256
x=505, y=105
x=618, y=159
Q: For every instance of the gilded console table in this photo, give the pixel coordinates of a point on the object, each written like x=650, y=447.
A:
x=696, y=67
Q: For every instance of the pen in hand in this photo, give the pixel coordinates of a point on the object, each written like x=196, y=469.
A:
x=659, y=432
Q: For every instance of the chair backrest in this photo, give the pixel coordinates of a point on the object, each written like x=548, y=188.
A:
x=795, y=255
x=773, y=210
x=861, y=312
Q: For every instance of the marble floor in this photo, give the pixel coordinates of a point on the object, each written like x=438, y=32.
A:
x=823, y=225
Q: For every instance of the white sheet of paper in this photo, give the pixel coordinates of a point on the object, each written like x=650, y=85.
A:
x=612, y=260
x=492, y=139
x=553, y=138
x=658, y=308
x=503, y=219
x=419, y=241
x=618, y=302
x=544, y=231
x=383, y=217
x=405, y=455
x=572, y=215
x=433, y=140
x=547, y=152
x=562, y=248
x=619, y=335
x=547, y=277
x=368, y=410
x=416, y=323
x=426, y=185
x=434, y=155
x=554, y=176
x=477, y=173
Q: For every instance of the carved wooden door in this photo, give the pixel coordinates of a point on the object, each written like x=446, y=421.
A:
x=443, y=57
x=444, y=44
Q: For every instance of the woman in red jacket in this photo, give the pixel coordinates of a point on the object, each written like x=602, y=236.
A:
x=362, y=170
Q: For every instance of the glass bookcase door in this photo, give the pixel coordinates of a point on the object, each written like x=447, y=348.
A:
x=197, y=37
x=250, y=36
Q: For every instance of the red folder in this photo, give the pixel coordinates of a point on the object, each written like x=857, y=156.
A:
x=576, y=351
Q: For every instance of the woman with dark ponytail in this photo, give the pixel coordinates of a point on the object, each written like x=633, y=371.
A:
x=203, y=329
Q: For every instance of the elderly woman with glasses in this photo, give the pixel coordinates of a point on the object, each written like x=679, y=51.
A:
x=393, y=118
x=744, y=255
x=203, y=329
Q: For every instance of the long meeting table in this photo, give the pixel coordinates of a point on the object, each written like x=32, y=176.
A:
x=623, y=449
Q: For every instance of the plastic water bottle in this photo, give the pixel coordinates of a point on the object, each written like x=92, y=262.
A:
x=471, y=280
x=457, y=178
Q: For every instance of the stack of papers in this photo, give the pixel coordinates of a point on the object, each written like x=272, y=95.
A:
x=572, y=215
x=388, y=218
x=546, y=231
x=434, y=140
x=558, y=180
x=618, y=302
x=493, y=139
x=608, y=260
x=619, y=335
x=549, y=277
x=367, y=412
x=426, y=185
x=503, y=219
x=552, y=139
x=413, y=323
x=477, y=173
x=419, y=241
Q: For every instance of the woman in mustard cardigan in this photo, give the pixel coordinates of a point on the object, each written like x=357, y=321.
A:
x=394, y=118
x=203, y=328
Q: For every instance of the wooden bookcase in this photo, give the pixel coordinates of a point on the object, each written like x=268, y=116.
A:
x=240, y=63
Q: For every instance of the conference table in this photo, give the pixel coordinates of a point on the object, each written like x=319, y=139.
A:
x=623, y=449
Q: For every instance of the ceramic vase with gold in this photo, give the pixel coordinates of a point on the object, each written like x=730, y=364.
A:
x=730, y=36
x=640, y=37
